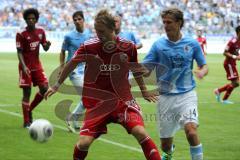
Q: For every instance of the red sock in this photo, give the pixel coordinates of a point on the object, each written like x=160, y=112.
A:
x=150, y=150
x=37, y=99
x=228, y=92
x=224, y=88
x=79, y=155
x=25, y=109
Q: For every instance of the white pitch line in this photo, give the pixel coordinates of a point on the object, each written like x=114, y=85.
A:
x=65, y=129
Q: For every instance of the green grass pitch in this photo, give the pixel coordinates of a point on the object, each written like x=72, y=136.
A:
x=219, y=124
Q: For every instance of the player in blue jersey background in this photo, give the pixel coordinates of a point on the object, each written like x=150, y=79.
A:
x=172, y=55
x=72, y=41
x=128, y=35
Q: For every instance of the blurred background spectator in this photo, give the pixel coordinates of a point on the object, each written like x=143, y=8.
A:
x=217, y=17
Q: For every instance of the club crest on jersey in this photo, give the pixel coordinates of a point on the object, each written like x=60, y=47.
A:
x=186, y=49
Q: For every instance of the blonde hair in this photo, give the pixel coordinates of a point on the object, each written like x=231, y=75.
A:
x=106, y=18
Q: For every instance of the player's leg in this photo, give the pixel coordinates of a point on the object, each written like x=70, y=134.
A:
x=229, y=90
x=189, y=121
x=39, y=79
x=25, y=83
x=82, y=146
x=39, y=96
x=77, y=81
x=167, y=148
x=167, y=121
x=232, y=75
x=26, y=106
x=194, y=142
x=148, y=146
x=133, y=122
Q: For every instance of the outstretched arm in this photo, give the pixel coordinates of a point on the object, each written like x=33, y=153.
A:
x=69, y=67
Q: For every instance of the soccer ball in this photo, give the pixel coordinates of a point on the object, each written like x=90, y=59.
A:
x=41, y=130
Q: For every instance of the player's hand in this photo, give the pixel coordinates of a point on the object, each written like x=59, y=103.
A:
x=26, y=71
x=199, y=74
x=50, y=92
x=150, y=97
x=48, y=43
x=238, y=57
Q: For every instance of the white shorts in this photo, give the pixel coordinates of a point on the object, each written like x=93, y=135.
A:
x=77, y=81
x=174, y=111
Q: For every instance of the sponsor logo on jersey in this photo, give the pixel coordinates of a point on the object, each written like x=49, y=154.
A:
x=109, y=67
x=34, y=45
x=187, y=49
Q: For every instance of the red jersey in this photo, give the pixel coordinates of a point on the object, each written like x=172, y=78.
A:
x=29, y=42
x=233, y=47
x=107, y=68
x=202, y=41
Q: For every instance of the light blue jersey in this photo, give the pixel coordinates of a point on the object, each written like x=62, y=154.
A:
x=72, y=41
x=130, y=36
x=173, y=62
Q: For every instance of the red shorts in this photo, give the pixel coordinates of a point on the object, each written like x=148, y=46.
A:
x=128, y=116
x=37, y=78
x=231, y=71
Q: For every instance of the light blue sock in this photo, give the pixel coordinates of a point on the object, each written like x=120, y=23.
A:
x=196, y=152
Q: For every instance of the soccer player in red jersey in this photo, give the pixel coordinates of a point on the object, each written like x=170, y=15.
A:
x=30, y=68
x=202, y=40
x=231, y=53
x=106, y=92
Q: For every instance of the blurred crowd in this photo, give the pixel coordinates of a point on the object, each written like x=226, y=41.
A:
x=142, y=16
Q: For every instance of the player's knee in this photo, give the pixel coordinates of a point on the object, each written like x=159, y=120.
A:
x=236, y=84
x=26, y=94
x=139, y=133
x=43, y=90
x=85, y=142
x=191, y=133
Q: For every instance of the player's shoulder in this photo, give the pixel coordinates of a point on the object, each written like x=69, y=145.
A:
x=233, y=40
x=124, y=41
x=40, y=29
x=189, y=39
x=91, y=42
x=69, y=34
x=20, y=31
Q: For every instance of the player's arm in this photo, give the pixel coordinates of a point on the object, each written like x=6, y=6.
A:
x=22, y=63
x=205, y=47
x=151, y=97
x=201, y=71
x=137, y=41
x=230, y=55
x=138, y=71
x=61, y=60
x=138, y=46
x=19, y=40
x=46, y=45
x=68, y=68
